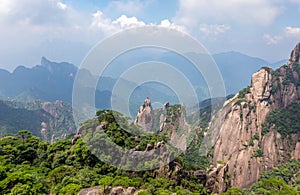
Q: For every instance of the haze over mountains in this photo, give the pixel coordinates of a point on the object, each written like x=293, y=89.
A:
x=232, y=151
x=51, y=81
x=50, y=121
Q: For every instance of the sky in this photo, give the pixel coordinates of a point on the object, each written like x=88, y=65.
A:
x=65, y=30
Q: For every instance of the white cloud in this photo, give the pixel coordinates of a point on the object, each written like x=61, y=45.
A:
x=128, y=22
x=272, y=40
x=61, y=5
x=257, y=12
x=109, y=26
x=100, y=21
x=5, y=7
x=214, y=29
x=26, y=25
x=289, y=33
x=167, y=24
x=29, y=27
x=35, y=12
x=292, y=31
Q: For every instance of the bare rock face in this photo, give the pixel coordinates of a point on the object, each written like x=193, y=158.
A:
x=111, y=191
x=295, y=55
x=44, y=131
x=296, y=152
x=91, y=191
x=218, y=179
x=117, y=190
x=236, y=130
x=173, y=121
x=145, y=116
x=261, y=85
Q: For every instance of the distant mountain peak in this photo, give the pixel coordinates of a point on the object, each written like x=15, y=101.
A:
x=260, y=143
x=45, y=61
x=295, y=55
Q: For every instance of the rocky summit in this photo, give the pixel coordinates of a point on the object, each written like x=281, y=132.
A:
x=245, y=133
x=248, y=145
x=295, y=55
x=145, y=116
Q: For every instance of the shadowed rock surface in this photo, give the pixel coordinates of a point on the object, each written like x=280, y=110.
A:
x=145, y=116
x=239, y=137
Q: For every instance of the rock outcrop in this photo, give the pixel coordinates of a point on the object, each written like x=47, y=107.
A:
x=91, y=191
x=145, y=116
x=296, y=152
x=110, y=191
x=218, y=178
x=295, y=55
x=44, y=131
x=236, y=130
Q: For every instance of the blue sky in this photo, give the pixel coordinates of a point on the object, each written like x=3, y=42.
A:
x=65, y=30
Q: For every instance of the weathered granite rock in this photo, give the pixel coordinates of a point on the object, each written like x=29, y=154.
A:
x=295, y=55
x=119, y=190
x=91, y=191
x=236, y=130
x=145, y=116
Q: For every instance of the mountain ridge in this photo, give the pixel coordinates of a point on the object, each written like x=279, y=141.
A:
x=247, y=140
x=242, y=138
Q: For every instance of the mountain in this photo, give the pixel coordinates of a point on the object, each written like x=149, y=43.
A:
x=258, y=129
x=252, y=146
x=277, y=64
x=254, y=132
x=47, y=120
x=237, y=68
x=51, y=81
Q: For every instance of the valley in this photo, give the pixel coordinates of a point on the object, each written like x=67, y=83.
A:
x=248, y=143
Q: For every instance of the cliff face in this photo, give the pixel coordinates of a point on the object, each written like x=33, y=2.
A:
x=43, y=119
x=145, y=116
x=295, y=55
x=60, y=122
x=237, y=128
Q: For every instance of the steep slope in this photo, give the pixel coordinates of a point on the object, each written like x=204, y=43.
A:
x=50, y=121
x=51, y=81
x=244, y=139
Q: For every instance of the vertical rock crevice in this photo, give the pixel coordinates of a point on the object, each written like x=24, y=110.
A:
x=237, y=129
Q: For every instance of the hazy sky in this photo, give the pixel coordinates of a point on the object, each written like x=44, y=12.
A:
x=65, y=30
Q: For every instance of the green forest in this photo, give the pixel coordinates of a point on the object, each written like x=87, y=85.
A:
x=29, y=165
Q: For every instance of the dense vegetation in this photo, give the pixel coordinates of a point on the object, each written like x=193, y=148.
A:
x=243, y=92
x=124, y=134
x=16, y=115
x=12, y=119
x=31, y=166
x=286, y=121
x=284, y=179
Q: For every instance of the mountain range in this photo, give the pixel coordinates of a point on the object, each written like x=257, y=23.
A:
x=51, y=121
x=249, y=145
x=258, y=129
x=51, y=81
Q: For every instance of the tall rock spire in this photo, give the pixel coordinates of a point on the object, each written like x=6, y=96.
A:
x=145, y=116
x=295, y=55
